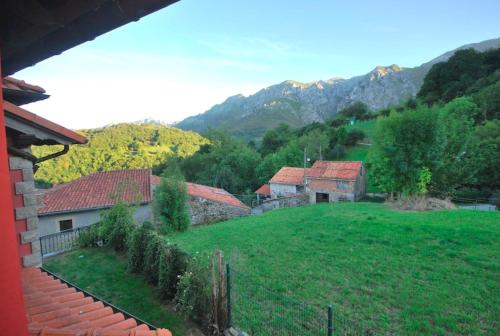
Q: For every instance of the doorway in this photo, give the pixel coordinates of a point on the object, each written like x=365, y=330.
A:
x=322, y=198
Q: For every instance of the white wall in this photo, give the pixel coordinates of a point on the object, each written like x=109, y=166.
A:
x=49, y=224
x=282, y=189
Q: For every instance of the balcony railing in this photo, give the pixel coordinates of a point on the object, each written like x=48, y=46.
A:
x=59, y=242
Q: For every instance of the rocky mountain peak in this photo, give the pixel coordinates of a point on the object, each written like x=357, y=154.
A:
x=382, y=71
x=297, y=104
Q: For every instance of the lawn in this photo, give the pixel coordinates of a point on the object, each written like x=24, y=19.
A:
x=399, y=273
x=103, y=273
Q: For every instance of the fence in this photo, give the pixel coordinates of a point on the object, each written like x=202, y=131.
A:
x=260, y=311
x=484, y=204
x=59, y=242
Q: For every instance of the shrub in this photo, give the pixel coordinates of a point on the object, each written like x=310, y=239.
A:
x=193, y=291
x=117, y=224
x=90, y=237
x=353, y=136
x=173, y=263
x=170, y=204
x=154, y=247
x=137, y=247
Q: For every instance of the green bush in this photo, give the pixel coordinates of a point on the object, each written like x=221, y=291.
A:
x=154, y=247
x=89, y=237
x=117, y=224
x=137, y=247
x=194, y=290
x=170, y=204
x=173, y=263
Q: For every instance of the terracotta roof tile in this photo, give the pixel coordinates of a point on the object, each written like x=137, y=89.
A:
x=265, y=189
x=98, y=190
x=210, y=193
x=342, y=170
x=70, y=314
x=214, y=194
x=17, y=84
x=289, y=175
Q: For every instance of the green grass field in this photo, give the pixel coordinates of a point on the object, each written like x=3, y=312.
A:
x=103, y=273
x=398, y=273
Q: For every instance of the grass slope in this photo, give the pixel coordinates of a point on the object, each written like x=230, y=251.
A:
x=103, y=273
x=360, y=152
x=403, y=273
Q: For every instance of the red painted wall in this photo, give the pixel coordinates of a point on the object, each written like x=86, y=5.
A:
x=12, y=311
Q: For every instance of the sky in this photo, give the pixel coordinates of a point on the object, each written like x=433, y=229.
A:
x=185, y=58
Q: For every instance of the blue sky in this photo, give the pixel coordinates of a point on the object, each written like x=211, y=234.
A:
x=184, y=59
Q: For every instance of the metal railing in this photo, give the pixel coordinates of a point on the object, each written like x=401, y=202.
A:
x=59, y=242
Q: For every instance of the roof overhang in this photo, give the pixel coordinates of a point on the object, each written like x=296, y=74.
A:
x=34, y=30
x=45, y=131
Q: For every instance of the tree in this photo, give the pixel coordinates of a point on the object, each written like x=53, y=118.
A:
x=356, y=110
x=404, y=144
x=170, y=202
x=117, y=224
x=292, y=155
x=488, y=155
x=459, y=147
x=275, y=139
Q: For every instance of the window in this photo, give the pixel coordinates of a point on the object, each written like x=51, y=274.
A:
x=342, y=185
x=65, y=224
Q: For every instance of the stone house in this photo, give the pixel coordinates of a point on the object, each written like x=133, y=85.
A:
x=287, y=181
x=325, y=181
x=209, y=205
x=79, y=203
x=331, y=181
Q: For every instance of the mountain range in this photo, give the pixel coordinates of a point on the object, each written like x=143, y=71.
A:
x=297, y=104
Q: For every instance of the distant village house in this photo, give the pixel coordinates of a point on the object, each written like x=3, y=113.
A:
x=325, y=181
x=80, y=202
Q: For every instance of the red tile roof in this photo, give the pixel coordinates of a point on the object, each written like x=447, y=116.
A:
x=17, y=84
x=289, y=175
x=214, y=194
x=25, y=115
x=342, y=170
x=265, y=189
x=99, y=190
x=210, y=193
x=55, y=309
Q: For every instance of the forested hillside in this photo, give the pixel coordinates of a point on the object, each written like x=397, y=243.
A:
x=445, y=142
x=116, y=147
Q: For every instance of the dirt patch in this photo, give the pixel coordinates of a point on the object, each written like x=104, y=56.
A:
x=419, y=203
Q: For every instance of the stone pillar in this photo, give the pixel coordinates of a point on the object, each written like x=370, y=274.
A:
x=25, y=207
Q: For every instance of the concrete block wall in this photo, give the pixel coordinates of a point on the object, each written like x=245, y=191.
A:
x=25, y=208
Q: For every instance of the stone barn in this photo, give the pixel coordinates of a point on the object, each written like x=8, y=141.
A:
x=330, y=181
x=287, y=181
x=209, y=205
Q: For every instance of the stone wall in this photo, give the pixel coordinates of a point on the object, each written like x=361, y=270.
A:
x=25, y=207
x=290, y=201
x=204, y=211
